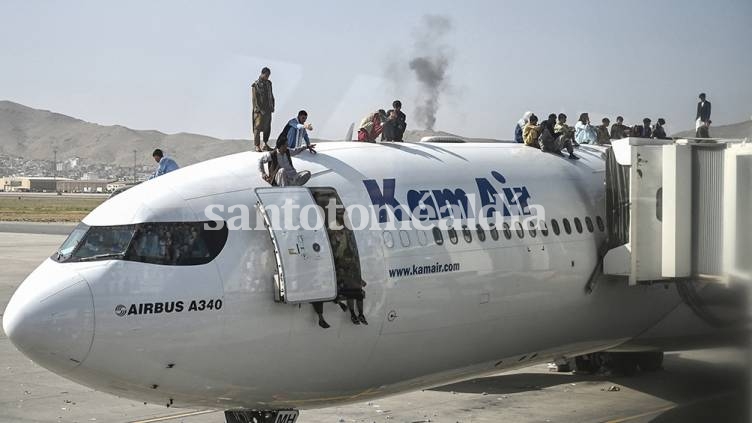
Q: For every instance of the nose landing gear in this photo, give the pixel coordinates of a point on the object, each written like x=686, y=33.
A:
x=261, y=416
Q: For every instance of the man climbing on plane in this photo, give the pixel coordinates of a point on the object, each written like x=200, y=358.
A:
x=281, y=171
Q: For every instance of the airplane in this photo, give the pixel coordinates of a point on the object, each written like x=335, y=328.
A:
x=182, y=291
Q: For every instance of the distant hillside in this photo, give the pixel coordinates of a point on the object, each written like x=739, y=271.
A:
x=33, y=134
x=735, y=130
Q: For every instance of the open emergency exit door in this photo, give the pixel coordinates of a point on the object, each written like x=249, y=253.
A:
x=305, y=265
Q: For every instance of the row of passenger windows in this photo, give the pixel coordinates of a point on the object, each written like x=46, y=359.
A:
x=533, y=229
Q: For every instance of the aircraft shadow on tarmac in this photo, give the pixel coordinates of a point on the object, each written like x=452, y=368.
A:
x=703, y=391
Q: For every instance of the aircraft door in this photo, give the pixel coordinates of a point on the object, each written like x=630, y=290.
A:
x=305, y=265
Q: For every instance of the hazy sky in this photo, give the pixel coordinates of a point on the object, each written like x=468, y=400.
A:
x=179, y=66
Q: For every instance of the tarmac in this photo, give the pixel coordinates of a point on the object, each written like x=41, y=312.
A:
x=695, y=386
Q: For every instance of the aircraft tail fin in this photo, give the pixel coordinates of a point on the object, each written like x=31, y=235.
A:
x=350, y=130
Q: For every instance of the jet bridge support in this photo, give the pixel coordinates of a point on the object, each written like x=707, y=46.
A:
x=679, y=209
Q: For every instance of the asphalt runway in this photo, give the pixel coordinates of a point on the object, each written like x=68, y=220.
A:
x=696, y=386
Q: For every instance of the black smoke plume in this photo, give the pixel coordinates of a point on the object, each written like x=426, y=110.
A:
x=429, y=64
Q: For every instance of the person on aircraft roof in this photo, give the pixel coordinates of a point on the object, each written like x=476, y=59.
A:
x=604, y=138
x=166, y=164
x=371, y=126
x=619, y=130
x=521, y=126
x=281, y=171
x=553, y=141
x=584, y=133
x=263, y=107
x=658, y=131
x=389, y=132
x=401, y=121
x=531, y=132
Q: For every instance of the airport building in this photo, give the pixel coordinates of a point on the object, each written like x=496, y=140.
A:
x=50, y=184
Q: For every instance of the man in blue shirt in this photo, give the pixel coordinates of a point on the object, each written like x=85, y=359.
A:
x=166, y=164
x=297, y=131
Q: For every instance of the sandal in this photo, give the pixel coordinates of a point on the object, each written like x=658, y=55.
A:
x=354, y=319
x=363, y=320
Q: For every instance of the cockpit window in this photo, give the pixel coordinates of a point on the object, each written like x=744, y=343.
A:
x=70, y=244
x=104, y=242
x=166, y=243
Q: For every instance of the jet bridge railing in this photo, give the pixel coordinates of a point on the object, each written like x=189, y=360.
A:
x=679, y=209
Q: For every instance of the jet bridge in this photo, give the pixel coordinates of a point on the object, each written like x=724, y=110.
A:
x=679, y=209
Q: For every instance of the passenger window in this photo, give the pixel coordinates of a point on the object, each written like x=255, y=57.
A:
x=404, y=238
x=532, y=230
x=567, y=226
x=494, y=233
x=589, y=224
x=422, y=237
x=519, y=229
x=543, y=227
x=438, y=236
x=481, y=234
x=507, y=232
x=578, y=224
x=599, y=222
x=388, y=239
x=452, y=235
x=555, y=227
x=467, y=234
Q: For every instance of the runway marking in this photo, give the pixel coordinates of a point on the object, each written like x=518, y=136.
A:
x=175, y=416
x=645, y=414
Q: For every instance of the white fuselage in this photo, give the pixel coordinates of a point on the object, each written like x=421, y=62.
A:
x=502, y=303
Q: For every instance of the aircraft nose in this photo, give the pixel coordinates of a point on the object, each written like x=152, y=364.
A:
x=50, y=319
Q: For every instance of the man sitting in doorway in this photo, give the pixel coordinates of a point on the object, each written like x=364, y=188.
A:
x=281, y=171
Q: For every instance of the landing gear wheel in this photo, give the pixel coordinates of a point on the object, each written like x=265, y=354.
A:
x=625, y=363
x=650, y=361
x=587, y=363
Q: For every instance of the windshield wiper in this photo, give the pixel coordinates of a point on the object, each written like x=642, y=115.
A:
x=102, y=256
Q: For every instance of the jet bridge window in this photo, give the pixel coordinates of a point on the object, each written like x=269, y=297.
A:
x=166, y=243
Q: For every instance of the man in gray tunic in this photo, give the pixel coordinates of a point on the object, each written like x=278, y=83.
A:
x=281, y=171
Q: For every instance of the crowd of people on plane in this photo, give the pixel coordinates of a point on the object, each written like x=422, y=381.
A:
x=553, y=135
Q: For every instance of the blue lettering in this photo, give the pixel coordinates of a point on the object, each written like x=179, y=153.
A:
x=488, y=196
x=384, y=199
x=452, y=203
x=422, y=203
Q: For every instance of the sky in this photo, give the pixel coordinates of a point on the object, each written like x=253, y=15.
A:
x=182, y=66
